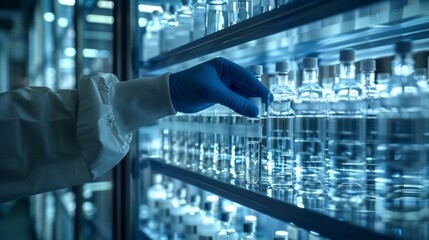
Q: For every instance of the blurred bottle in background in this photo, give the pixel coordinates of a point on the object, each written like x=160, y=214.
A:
x=169, y=26
x=199, y=29
x=240, y=10
x=216, y=15
x=227, y=231
x=400, y=155
x=210, y=225
x=193, y=218
x=185, y=23
x=151, y=38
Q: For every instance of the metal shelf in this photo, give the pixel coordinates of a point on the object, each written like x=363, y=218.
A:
x=308, y=219
x=289, y=16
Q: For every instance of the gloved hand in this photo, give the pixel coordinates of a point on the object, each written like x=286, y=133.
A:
x=216, y=81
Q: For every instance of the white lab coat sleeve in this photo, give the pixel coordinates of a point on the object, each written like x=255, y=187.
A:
x=55, y=139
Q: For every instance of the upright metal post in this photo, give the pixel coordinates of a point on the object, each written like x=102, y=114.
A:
x=123, y=212
x=78, y=41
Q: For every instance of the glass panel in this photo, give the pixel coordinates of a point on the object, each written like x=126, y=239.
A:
x=97, y=51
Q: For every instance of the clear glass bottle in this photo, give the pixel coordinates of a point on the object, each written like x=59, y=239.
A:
x=280, y=135
x=155, y=193
x=310, y=108
x=164, y=217
x=227, y=231
x=210, y=225
x=178, y=209
x=346, y=134
x=199, y=29
x=240, y=10
x=169, y=25
x=185, y=21
x=249, y=229
x=267, y=5
x=193, y=218
x=216, y=15
x=367, y=70
x=400, y=154
x=151, y=37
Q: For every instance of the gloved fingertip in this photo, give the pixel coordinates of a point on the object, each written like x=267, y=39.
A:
x=270, y=97
x=251, y=110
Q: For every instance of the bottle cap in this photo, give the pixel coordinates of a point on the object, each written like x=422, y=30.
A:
x=256, y=69
x=403, y=47
x=248, y=227
x=309, y=62
x=225, y=216
x=282, y=66
x=367, y=65
x=185, y=2
x=347, y=55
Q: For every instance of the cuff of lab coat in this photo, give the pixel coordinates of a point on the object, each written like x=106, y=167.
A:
x=141, y=101
x=102, y=142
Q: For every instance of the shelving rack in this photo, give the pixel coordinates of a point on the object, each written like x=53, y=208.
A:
x=269, y=37
x=284, y=211
x=369, y=26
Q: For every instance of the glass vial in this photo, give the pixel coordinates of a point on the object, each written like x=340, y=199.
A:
x=216, y=15
x=253, y=146
x=240, y=10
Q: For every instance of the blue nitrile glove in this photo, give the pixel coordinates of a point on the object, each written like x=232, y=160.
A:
x=216, y=81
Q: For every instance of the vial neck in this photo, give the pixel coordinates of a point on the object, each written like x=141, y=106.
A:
x=226, y=225
x=309, y=76
x=282, y=78
x=347, y=71
x=368, y=78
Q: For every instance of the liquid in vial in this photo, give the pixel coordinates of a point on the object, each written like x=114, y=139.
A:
x=253, y=155
x=238, y=146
